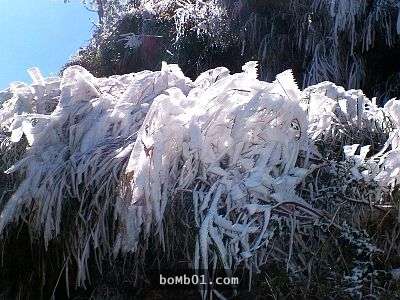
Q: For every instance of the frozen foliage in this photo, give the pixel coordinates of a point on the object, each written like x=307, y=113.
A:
x=110, y=155
x=335, y=40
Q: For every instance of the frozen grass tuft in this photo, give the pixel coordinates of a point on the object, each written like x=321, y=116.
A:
x=257, y=173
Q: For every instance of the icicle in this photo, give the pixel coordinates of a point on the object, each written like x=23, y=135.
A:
x=36, y=76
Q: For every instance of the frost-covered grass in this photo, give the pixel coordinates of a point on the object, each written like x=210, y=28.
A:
x=223, y=172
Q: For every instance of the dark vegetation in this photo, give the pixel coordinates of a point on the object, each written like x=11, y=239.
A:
x=352, y=43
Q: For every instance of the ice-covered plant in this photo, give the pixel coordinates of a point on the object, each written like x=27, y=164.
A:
x=256, y=165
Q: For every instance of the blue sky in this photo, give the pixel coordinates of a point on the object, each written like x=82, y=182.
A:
x=41, y=33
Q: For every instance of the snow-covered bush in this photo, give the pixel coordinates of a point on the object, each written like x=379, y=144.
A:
x=258, y=166
x=342, y=41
